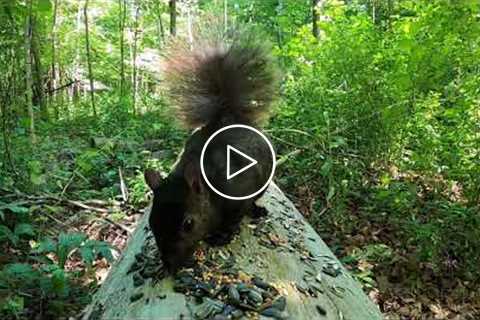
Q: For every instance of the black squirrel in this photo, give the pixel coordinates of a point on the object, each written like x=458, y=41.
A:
x=212, y=83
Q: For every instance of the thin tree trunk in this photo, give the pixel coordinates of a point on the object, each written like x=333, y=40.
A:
x=76, y=88
x=173, y=17
x=373, y=12
x=189, y=24
x=28, y=71
x=123, y=15
x=134, y=58
x=38, y=94
x=54, y=70
x=279, y=32
x=7, y=99
x=315, y=17
x=89, y=60
x=160, y=28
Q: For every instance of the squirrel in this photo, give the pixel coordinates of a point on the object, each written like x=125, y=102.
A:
x=211, y=83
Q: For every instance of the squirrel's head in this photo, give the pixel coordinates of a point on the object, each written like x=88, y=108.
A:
x=182, y=214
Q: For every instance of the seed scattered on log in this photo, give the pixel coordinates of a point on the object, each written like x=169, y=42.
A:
x=138, y=280
x=280, y=303
x=242, y=288
x=255, y=297
x=233, y=295
x=273, y=313
x=237, y=314
x=136, y=297
x=332, y=269
x=320, y=310
x=302, y=288
x=261, y=284
x=134, y=267
x=209, y=308
x=139, y=257
x=316, y=288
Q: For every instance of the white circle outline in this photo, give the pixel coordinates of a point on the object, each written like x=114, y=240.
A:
x=274, y=161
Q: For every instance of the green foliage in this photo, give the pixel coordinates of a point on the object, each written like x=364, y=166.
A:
x=379, y=119
x=48, y=277
x=71, y=242
x=370, y=100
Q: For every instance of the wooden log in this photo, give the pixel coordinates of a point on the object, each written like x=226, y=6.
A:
x=284, y=250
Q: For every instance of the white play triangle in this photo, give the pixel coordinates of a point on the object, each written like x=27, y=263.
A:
x=251, y=164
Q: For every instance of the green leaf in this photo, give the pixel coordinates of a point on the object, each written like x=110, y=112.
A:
x=67, y=242
x=47, y=245
x=326, y=168
x=331, y=193
x=14, y=208
x=406, y=44
x=24, y=229
x=106, y=251
x=20, y=271
x=87, y=255
x=59, y=283
x=13, y=305
x=93, y=249
x=44, y=5
x=71, y=240
x=5, y=232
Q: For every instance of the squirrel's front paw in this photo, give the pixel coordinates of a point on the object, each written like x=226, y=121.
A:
x=220, y=238
x=258, y=212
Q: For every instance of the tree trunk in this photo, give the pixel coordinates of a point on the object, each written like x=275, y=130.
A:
x=374, y=14
x=53, y=67
x=160, y=28
x=89, y=60
x=7, y=101
x=282, y=248
x=28, y=72
x=134, y=58
x=38, y=93
x=279, y=32
x=76, y=89
x=123, y=16
x=173, y=17
x=315, y=17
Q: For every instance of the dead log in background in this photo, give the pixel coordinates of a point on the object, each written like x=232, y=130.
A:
x=283, y=250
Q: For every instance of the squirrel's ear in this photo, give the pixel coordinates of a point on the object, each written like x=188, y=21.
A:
x=153, y=178
x=193, y=176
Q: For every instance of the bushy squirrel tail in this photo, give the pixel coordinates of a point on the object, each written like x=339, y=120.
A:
x=221, y=78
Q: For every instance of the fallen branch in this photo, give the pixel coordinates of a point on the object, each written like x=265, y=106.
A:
x=62, y=87
x=68, y=183
x=284, y=158
x=118, y=225
x=282, y=251
x=123, y=186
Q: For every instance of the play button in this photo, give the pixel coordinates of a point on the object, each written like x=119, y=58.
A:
x=237, y=162
x=252, y=162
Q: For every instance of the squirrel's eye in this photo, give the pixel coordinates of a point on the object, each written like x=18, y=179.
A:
x=188, y=224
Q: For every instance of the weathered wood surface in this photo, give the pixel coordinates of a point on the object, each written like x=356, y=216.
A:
x=285, y=267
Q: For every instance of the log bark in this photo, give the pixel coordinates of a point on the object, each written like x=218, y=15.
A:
x=284, y=266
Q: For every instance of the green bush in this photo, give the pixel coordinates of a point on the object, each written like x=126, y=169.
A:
x=369, y=99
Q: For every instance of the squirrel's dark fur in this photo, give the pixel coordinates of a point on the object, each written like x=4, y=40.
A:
x=218, y=82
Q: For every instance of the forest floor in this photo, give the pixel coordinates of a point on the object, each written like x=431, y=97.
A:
x=90, y=183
